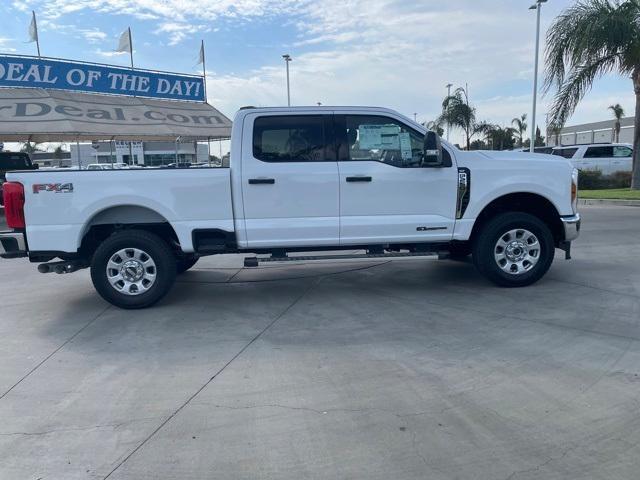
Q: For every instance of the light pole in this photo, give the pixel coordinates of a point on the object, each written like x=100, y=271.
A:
x=287, y=59
x=415, y=117
x=537, y=7
x=449, y=85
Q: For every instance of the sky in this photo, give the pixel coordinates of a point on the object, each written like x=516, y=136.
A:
x=393, y=53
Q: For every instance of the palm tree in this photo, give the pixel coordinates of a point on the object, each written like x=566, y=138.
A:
x=618, y=113
x=589, y=39
x=498, y=138
x=521, y=127
x=457, y=112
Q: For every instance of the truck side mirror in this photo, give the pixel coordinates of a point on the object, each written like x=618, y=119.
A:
x=432, y=151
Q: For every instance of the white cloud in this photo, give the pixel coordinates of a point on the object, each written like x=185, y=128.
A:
x=178, y=31
x=4, y=45
x=395, y=53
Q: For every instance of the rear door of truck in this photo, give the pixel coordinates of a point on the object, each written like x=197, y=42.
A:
x=290, y=188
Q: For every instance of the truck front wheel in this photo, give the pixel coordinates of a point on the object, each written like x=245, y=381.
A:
x=133, y=269
x=514, y=249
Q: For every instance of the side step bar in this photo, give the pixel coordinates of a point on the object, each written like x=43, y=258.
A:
x=255, y=261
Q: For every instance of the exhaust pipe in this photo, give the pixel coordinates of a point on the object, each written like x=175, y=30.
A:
x=61, y=267
x=44, y=268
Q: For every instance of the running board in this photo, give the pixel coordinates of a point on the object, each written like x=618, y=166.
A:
x=255, y=261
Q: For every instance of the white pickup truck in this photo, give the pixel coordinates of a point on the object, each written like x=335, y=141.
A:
x=300, y=180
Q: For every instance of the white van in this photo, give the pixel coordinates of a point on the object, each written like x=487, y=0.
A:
x=606, y=157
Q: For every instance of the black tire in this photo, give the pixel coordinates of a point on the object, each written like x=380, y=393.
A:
x=150, y=244
x=185, y=262
x=485, y=248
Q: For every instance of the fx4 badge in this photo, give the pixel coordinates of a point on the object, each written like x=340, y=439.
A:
x=53, y=187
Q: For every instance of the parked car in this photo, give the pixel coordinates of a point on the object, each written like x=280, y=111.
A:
x=606, y=157
x=99, y=166
x=12, y=161
x=546, y=150
x=301, y=180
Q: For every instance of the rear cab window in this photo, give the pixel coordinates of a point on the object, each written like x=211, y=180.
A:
x=293, y=138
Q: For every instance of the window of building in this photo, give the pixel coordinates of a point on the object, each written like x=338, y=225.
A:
x=599, y=152
x=291, y=138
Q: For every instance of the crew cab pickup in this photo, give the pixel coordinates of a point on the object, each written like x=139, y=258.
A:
x=300, y=179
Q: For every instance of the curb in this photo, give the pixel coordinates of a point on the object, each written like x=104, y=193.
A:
x=611, y=202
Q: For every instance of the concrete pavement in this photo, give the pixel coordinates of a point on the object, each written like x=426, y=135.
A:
x=403, y=369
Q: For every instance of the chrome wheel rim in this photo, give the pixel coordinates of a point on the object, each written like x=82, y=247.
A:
x=517, y=251
x=131, y=271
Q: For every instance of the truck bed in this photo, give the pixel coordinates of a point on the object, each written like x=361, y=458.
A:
x=61, y=205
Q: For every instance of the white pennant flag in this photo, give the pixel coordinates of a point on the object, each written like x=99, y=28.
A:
x=124, y=45
x=201, y=56
x=33, y=28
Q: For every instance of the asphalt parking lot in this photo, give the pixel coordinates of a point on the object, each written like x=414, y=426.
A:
x=402, y=369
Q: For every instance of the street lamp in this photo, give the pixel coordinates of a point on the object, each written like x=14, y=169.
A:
x=537, y=7
x=287, y=59
x=449, y=85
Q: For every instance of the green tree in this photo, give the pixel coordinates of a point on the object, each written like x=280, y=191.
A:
x=587, y=40
x=618, y=113
x=434, y=126
x=539, y=139
x=58, y=152
x=498, y=138
x=457, y=112
x=520, y=125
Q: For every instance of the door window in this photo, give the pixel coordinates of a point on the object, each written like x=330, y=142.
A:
x=622, y=152
x=599, y=152
x=380, y=139
x=291, y=138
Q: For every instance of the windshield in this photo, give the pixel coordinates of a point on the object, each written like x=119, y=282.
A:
x=14, y=161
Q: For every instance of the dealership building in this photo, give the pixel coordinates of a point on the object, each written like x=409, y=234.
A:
x=596, y=132
x=149, y=154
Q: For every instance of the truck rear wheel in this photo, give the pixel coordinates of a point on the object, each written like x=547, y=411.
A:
x=514, y=249
x=133, y=269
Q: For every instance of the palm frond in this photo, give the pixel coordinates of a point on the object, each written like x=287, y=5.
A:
x=577, y=84
x=591, y=30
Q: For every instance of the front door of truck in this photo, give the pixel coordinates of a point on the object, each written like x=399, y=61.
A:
x=290, y=180
x=386, y=196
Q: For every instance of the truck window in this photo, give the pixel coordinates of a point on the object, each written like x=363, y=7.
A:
x=599, y=152
x=290, y=138
x=622, y=152
x=381, y=139
x=565, y=152
x=14, y=161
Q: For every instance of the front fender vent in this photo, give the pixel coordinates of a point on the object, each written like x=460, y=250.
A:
x=464, y=191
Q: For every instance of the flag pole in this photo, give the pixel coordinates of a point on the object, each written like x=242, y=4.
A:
x=130, y=47
x=204, y=72
x=35, y=24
